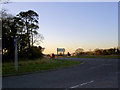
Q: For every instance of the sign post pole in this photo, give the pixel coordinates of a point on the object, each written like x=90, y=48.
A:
x=16, y=56
x=57, y=52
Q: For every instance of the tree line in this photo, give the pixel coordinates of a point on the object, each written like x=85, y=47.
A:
x=25, y=27
x=110, y=51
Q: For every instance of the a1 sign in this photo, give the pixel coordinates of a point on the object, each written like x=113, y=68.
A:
x=60, y=50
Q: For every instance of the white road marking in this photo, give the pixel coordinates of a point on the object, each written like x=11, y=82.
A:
x=82, y=84
x=82, y=62
x=95, y=67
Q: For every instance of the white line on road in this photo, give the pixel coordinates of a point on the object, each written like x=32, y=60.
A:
x=82, y=62
x=82, y=84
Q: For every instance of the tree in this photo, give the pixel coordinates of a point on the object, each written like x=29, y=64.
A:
x=24, y=18
x=33, y=18
x=98, y=51
x=2, y=15
x=112, y=51
x=23, y=27
x=79, y=51
x=38, y=38
x=105, y=52
x=30, y=23
x=8, y=33
x=68, y=54
x=118, y=51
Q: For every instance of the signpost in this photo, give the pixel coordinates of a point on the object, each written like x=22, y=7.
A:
x=16, y=56
x=60, y=50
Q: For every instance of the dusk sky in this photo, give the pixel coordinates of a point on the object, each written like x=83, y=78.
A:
x=73, y=25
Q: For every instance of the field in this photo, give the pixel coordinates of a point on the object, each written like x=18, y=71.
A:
x=27, y=66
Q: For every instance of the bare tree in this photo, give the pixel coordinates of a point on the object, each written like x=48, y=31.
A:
x=38, y=38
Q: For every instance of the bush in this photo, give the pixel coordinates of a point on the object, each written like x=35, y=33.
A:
x=34, y=52
x=31, y=53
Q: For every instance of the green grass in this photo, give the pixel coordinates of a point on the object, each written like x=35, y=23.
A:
x=27, y=66
x=102, y=56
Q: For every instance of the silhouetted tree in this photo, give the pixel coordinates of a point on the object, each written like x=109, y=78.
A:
x=22, y=27
x=68, y=54
x=9, y=31
x=105, y=52
x=98, y=51
x=79, y=51
x=30, y=20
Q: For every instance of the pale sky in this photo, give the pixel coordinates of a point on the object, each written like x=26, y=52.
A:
x=72, y=25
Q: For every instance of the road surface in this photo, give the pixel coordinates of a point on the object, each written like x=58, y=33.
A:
x=91, y=73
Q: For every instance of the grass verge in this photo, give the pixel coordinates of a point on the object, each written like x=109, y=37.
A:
x=27, y=66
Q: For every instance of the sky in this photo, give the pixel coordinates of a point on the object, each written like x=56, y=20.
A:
x=72, y=25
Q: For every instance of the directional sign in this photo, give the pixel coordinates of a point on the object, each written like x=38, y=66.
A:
x=60, y=49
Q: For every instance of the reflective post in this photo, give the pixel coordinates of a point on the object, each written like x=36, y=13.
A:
x=16, y=56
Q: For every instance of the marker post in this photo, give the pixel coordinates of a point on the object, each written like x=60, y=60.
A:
x=16, y=55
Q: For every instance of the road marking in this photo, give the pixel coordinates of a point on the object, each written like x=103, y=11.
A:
x=82, y=62
x=82, y=84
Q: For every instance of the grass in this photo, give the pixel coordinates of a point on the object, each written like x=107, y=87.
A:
x=101, y=56
x=27, y=66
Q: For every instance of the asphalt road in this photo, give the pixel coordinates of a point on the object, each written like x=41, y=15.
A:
x=91, y=73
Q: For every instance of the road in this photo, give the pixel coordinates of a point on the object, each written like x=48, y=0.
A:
x=91, y=73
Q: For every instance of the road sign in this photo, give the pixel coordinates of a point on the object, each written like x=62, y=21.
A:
x=60, y=49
